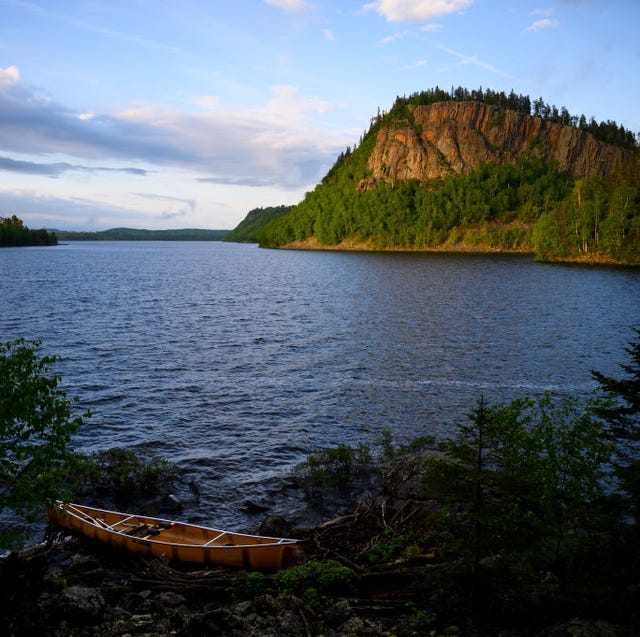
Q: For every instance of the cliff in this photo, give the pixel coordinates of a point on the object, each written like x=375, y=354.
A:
x=458, y=137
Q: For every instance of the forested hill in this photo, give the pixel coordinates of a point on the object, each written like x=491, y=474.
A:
x=479, y=171
x=133, y=234
x=247, y=230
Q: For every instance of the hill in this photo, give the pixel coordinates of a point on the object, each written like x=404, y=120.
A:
x=477, y=171
x=132, y=234
x=247, y=230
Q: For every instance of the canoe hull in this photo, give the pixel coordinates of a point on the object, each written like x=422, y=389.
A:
x=176, y=540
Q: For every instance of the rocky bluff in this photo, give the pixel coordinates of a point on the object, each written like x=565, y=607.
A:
x=458, y=137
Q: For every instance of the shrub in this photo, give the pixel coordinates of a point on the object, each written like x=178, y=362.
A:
x=36, y=425
x=324, y=577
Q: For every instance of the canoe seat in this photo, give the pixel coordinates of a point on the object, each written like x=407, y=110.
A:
x=137, y=530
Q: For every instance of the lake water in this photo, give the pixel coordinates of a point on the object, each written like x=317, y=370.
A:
x=234, y=362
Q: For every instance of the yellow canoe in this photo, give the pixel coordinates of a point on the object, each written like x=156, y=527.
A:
x=177, y=540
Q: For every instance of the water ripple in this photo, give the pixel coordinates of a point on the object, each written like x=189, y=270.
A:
x=235, y=362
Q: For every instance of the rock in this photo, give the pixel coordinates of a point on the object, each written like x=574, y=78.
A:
x=337, y=614
x=195, y=488
x=251, y=506
x=275, y=526
x=171, y=504
x=578, y=627
x=457, y=137
x=170, y=599
x=81, y=604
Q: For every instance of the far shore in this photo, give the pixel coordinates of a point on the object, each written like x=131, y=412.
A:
x=458, y=248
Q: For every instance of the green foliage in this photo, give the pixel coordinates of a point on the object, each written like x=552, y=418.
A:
x=14, y=233
x=597, y=216
x=122, y=474
x=36, y=424
x=519, y=479
x=253, y=582
x=622, y=413
x=314, y=579
x=343, y=469
x=247, y=230
x=496, y=206
x=422, y=620
x=528, y=205
x=390, y=546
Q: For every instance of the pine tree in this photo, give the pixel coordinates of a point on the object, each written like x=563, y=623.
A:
x=622, y=412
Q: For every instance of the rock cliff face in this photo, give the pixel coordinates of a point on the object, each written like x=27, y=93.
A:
x=457, y=137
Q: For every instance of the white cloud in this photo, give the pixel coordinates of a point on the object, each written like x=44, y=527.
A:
x=10, y=75
x=290, y=5
x=207, y=102
x=418, y=64
x=546, y=11
x=393, y=37
x=545, y=23
x=416, y=10
x=434, y=26
x=277, y=143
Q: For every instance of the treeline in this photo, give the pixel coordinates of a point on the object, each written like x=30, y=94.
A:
x=247, y=230
x=13, y=232
x=527, y=206
x=133, y=234
x=609, y=131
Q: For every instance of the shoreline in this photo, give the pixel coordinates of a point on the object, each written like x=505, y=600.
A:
x=312, y=244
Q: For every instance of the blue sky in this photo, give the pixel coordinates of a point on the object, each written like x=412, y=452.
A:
x=189, y=113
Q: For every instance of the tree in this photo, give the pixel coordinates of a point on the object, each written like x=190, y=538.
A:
x=517, y=482
x=14, y=233
x=622, y=413
x=36, y=425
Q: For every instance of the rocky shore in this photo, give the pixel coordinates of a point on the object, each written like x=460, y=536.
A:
x=74, y=587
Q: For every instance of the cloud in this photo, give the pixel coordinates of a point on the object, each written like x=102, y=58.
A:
x=543, y=11
x=56, y=169
x=416, y=10
x=207, y=102
x=394, y=36
x=275, y=143
x=10, y=75
x=290, y=5
x=418, y=64
x=434, y=26
x=46, y=211
x=329, y=35
x=545, y=23
x=172, y=207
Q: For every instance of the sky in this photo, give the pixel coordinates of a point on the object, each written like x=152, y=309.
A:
x=164, y=114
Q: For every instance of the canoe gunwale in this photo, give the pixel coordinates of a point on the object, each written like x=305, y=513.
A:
x=82, y=515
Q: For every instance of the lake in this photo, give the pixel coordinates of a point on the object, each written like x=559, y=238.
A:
x=235, y=362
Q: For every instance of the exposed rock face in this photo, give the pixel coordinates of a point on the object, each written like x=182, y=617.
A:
x=457, y=137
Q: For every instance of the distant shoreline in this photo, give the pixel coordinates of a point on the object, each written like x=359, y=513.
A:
x=134, y=234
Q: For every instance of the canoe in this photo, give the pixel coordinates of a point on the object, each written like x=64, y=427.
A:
x=177, y=540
